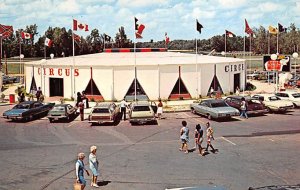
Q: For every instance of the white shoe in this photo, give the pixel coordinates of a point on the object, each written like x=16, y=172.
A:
x=95, y=185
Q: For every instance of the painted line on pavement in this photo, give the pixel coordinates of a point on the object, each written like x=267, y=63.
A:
x=228, y=141
x=72, y=124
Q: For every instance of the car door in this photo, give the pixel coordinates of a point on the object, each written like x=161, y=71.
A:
x=203, y=108
x=154, y=106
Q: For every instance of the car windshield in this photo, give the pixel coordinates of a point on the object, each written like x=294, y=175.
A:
x=58, y=108
x=22, y=106
x=141, y=108
x=296, y=95
x=218, y=104
x=100, y=110
x=274, y=98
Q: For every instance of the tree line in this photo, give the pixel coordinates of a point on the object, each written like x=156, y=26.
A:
x=262, y=43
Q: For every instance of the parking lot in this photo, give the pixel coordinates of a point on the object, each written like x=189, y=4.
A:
x=255, y=152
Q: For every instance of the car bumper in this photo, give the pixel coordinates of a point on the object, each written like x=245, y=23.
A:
x=13, y=117
x=101, y=121
x=57, y=117
x=227, y=115
x=258, y=111
x=141, y=120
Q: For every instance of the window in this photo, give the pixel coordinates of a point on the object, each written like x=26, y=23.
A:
x=218, y=104
x=274, y=98
x=141, y=108
x=296, y=95
x=100, y=110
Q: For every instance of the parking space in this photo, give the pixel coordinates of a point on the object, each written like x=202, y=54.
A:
x=256, y=152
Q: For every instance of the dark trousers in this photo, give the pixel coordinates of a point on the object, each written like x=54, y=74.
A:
x=123, y=112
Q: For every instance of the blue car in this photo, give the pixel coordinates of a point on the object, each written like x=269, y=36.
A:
x=28, y=110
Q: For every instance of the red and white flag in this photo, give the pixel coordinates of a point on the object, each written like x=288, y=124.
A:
x=6, y=31
x=79, y=26
x=229, y=34
x=26, y=35
x=167, y=38
x=48, y=42
x=138, y=29
x=248, y=30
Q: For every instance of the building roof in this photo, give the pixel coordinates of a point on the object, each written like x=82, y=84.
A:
x=131, y=58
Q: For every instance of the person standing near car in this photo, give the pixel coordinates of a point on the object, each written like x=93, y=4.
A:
x=38, y=94
x=123, y=106
x=184, y=137
x=81, y=110
x=244, y=108
x=159, y=109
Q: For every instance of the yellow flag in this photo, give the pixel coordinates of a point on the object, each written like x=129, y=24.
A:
x=273, y=30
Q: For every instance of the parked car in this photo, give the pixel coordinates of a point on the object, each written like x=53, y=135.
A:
x=28, y=110
x=62, y=111
x=214, y=109
x=104, y=112
x=295, y=81
x=253, y=106
x=274, y=103
x=8, y=80
x=292, y=96
x=142, y=112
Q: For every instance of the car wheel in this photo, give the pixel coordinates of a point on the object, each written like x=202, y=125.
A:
x=193, y=110
x=269, y=110
x=51, y=120
x=209, y=117
x=68, y=118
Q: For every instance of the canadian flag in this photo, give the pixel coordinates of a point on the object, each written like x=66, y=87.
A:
x=167, y=38
x=139, y=32
x=26, y=35
x=79, y=26
x=48, y=42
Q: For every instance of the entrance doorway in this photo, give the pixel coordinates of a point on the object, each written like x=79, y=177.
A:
x=56, y=86
x=236, y=81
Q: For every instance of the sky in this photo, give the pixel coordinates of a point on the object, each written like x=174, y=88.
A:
x=176, y=17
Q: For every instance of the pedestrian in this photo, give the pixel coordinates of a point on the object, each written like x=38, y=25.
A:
x=81, y=110
x=38, y=94
x=237, y=91
x=85, y=100
x=210, y=137
x=184, y=137
x=79, y=98
x=22, y=97
x=93, y=162
x=159, y=109
x=211, y=93
x=199, y=139
x=79, y=168
x=123, y=106
x=244, y=108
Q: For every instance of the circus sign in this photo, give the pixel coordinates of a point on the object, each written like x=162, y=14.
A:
x=282, y=63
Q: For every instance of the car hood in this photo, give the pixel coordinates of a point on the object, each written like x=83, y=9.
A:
x=279, y=103
x=14, y=111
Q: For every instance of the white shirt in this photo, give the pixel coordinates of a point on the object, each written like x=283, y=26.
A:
x=123, y=104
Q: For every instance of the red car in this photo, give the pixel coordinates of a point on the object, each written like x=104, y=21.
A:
x=253, y=106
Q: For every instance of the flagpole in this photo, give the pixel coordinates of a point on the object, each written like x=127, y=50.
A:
x=225, y=43
x=20, y=50
x=269, y=43
x=45, y=53
x=250, y=53
x=244, y=56
x=72, y=77
x=104, y=41
x=1, y=60
x=197, y=91
x=277, y=40
x=134, y=36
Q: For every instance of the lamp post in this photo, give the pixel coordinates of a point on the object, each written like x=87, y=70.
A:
x=295, y=56
x=51, y=55
x=274, y=57
x=21, y=68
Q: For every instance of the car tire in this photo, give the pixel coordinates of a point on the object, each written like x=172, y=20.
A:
x=269, y=110
x=209, y=117
x=51, y=120
x=193, y=110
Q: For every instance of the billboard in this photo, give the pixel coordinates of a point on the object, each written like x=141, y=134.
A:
x=282, y=63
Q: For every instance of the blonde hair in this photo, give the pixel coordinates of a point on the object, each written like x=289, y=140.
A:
x=93, y=148
x=81, y=155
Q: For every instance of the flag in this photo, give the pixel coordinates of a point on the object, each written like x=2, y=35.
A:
x=281, y=28
x=273, y=30
x=26, y=35
x=77, y=37
x=138, y=29
x=6, y=31
x=48, y=42
x=248, y=30
x=198, y=26
x=79, y=26
x=107, y=38
x=167, y=38
x=229, y=34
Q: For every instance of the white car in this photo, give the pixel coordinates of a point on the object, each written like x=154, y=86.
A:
x=292, y=96
x=274, y=103
x=142, y=112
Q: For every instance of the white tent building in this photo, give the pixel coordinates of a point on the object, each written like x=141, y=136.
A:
x=110, y=76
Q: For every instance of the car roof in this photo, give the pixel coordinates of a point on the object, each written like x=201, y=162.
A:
x=140, y=103
x=213, y=100
x=240, y=97
x=57, y=105
x=29, y=102
x=103, y=105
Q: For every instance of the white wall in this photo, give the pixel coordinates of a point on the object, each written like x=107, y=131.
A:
x=189, y=78
x=168, y=77
x=207, y=74
x=123, y=77
x=148, y=79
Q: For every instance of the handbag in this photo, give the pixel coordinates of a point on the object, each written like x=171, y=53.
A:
x=78, y=186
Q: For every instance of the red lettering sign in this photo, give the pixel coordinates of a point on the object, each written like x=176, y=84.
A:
x=51, y=71
x=76, y=72
x=67, y=72
x=59, y=72
x=273, y=65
